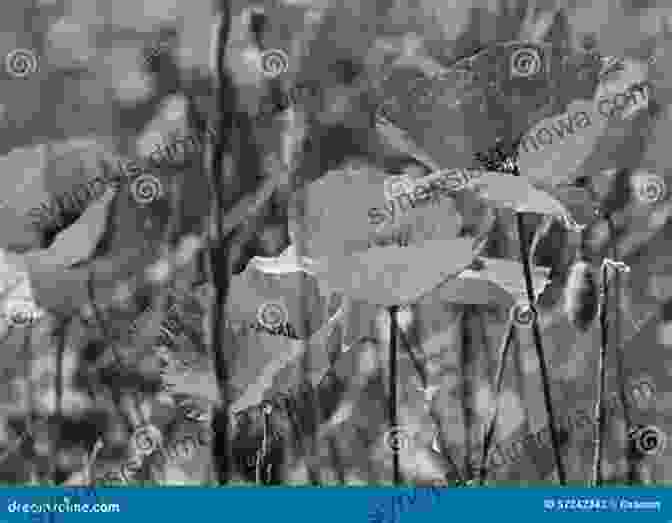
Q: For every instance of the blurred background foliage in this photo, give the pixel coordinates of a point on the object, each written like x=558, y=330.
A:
x=126, y=75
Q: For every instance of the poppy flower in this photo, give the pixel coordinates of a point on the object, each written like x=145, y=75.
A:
x=379, y=239
x=497, y=93
x=586, y=138
x=514, y=83
x=26, y=297
x=266, y=297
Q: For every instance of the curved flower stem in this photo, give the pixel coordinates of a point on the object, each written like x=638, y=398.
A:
x=422, y=374
x=91, y=461
x=392, y=402
x=499, y=381
x=536, y=333
x=336, y=461
x=311, y=447
x=118, y=359
x=14, y=446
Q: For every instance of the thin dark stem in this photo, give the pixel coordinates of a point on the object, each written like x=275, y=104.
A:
x=600, y=418
x=536, y=333
x=30, y=396
x=417, y=365
x=263, y=454
x=218, y=248
x=312, y=444
x=468, y=393
x=499, y=381
x=336, y=461
x=392, y=403
x=620, y=359
x=60, y=355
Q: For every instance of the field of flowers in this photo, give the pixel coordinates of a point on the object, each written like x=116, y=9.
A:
x=335, y=242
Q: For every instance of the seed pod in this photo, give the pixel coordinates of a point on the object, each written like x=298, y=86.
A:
x=581, y=295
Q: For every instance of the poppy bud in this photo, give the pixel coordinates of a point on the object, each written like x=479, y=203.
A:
x=581, y=295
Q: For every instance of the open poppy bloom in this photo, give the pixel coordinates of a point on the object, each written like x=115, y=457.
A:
x=270, y=298
x=25, y=296
x=270, y=335
x=376, y=242
x=497, y=93
x=585, y=138
x=510, y=93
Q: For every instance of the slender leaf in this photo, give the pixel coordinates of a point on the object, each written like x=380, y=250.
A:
x=497, y=283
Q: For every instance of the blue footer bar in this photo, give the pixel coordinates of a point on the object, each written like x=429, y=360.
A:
x=364, y=504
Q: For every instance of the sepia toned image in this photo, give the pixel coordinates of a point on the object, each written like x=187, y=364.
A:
x=335, y=243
